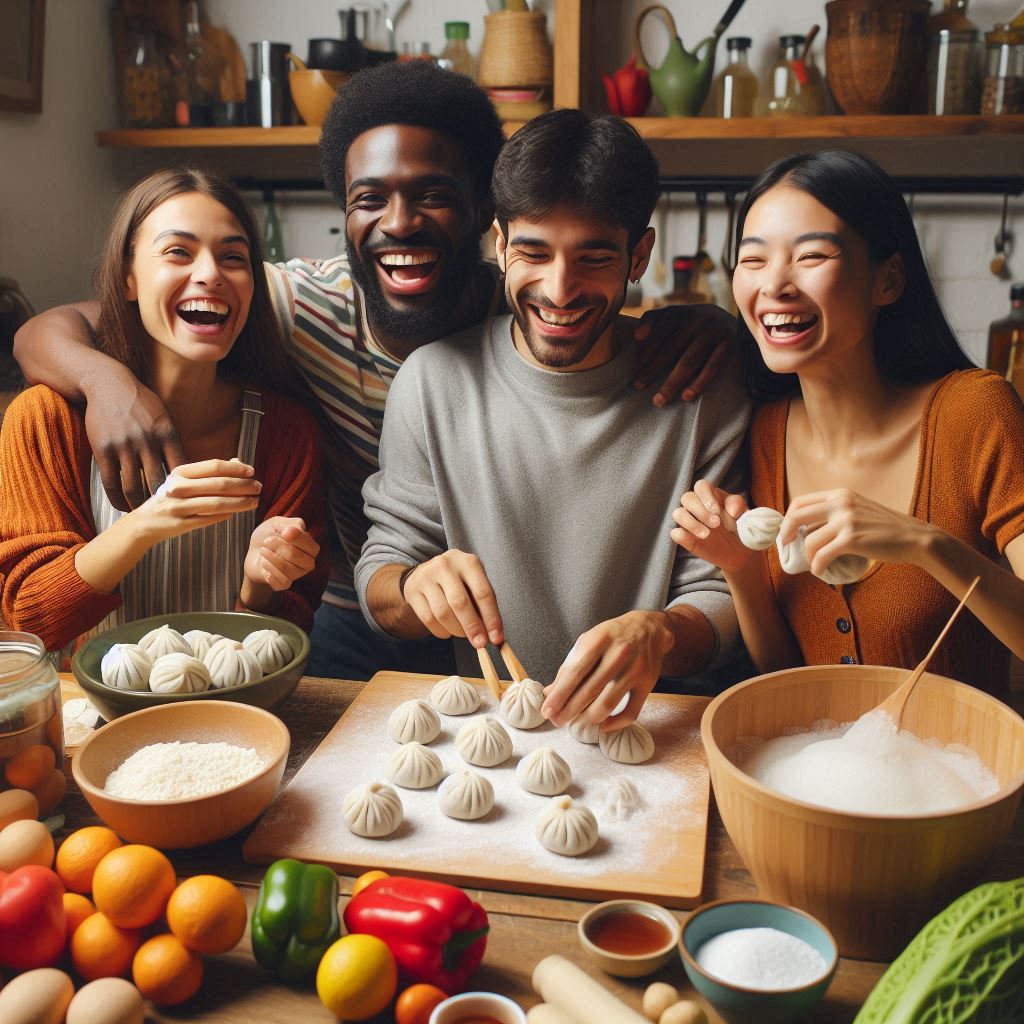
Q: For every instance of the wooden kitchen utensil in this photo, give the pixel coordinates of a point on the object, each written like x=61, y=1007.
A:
x=513, y=664
x=491, y=677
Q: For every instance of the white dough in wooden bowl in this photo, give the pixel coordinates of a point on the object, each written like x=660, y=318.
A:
x=454, y=696
x=758, y=527
x=414, y=766
x=270, y=648
x=466, y=795
x=373, y=810
x=414, y=721
x=567, y=827
x=484, y=742
x=631, y=745
x=179, y=673
x=200, y=641
x=230, y=664
x=521, y=703
x=126, y=667
x=164, y=640
x=582, y=731
x=544, y=771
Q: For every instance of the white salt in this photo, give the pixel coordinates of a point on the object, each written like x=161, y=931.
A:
x=761, y=958
x=179, y=771
x=870, y=767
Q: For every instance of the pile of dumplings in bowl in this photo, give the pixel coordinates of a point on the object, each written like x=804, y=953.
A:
x=168, y=662
x=565, y=826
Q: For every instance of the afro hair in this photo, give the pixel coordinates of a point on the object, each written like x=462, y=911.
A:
x=418, y=93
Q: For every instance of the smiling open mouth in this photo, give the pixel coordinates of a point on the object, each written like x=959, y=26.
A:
x=566, y=319
x=782, y=326
x=203, y=312
x=404, y=267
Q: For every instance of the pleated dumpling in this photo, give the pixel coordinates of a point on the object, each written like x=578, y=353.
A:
x=179, y=673
x=230, y=664
x=844, y=569
x=454, y=696
x=793, y=556
x=584, y=732
x=466, y=795
x=484, y=742
x=566, y=827
x=373, y=810
x=544, y=771
x=200, y=641
x=126, y=667
x=414, y=721
x=757, y=528
x=271, y=649
x=631, y=745
x=521, y=703
x=164, y=640
x=414, y=766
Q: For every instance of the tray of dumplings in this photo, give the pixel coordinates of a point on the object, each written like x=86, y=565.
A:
x=436, y=778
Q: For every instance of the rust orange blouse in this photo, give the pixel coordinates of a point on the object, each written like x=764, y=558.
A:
x=970, y=482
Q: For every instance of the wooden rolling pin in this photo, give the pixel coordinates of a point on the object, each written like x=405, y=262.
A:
x=543, y=1013
x=565, y=987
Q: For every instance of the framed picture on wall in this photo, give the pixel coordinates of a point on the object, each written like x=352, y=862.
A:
x=21, y=55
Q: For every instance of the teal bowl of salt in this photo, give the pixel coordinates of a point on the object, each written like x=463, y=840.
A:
x=758, y=961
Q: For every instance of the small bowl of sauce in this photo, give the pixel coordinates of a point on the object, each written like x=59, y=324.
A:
x=478, y=1008
x=629, y=938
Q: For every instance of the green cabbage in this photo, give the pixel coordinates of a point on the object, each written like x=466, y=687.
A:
x=966, y=964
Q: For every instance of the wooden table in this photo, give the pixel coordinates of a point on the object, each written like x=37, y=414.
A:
x=524, y=929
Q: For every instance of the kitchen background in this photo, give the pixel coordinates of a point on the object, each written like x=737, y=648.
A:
x=57, y=186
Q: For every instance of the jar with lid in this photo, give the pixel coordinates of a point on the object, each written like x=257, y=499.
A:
x=1003, y=91
x=955, y=60
x=735, y=90
x=31, y=726
x=1006, y=342
x=147, y=89
x=456, y=56
x=786, y=96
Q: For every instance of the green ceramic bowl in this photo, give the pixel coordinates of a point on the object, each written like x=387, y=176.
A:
x=268, y=692
x=740, y=1005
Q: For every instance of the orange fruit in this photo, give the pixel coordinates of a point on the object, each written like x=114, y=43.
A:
x=76, y=910
x=50, y=792
x=365, y=879
x=29, y=767
x=207, y=913
x=166, y=972
x=81, y=852
x=132, y=885
x=99, y=949
x=415, y=1004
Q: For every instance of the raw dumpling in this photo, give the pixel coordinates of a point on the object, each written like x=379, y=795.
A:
x=544, y=771
x=179, y=673
x=758, y=527
x=466, y=795
x=484, y=742
x=126, y=667
x=373, y=810
x=200, y=641
x=619, y=799
x=454, y=696
x=567, y=827
x=230, y=664
x=631, y=745
x=520, y=704
x=414, y=766
x=844, y=569
x=580, y=730
x=271, y=649
x=164, y=640
x=793, y=556
x=415, y=721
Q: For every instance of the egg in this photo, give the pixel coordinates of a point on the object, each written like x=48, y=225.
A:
x=50, y=792
x=29, y=767
x=36, y=997
x=107, y=1001
x=25, y=842
x=17, y=805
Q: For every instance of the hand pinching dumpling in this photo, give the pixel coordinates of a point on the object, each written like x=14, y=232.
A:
x=757, y=528
x=454, y=696
x=566, y=827
x=584, y=732
x=793, y=556
x=126, y=667
x=484, y=742
x=164, y=640
x=230, y=664
x=179, y=673
x=521, y=703
x=466, y=795
x=415, y=721
x=200, y=641
x=271, y=649
x=414, y=766
x=373, y=810
x=844, y=569
x=544, y=771
x=631, y=745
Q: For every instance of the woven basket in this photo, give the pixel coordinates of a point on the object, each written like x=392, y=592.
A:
x=515, y=50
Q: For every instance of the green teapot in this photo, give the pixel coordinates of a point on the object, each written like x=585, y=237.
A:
x=682, y=82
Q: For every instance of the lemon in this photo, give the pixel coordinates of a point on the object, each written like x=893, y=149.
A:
x=357, y=977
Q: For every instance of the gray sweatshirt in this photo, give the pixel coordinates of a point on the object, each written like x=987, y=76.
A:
x=563, y=484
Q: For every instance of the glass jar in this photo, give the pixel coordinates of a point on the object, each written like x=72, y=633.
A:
x=31, y=725
x=147, y=89
x=1006, y=342
x=786, y=96
x=735, y=90
x=1003, y=92
x=955, y=59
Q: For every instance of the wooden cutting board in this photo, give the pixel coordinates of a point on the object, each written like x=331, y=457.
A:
x=653, y=851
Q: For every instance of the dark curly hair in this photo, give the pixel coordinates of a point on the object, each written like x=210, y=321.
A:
x=418, y=93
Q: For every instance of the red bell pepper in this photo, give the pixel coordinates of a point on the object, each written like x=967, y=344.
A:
x=32, y=920
x=435, y=931
x=628, y=90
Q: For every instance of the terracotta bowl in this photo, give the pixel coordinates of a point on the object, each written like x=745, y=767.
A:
x=313, y=92
x=629, y=965
x=180, y=824
x=873, y=880
x=269, y=692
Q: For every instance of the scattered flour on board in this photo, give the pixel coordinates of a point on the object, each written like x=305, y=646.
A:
x=177, y=771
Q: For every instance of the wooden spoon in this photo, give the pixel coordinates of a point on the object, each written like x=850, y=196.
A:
x=896, y=701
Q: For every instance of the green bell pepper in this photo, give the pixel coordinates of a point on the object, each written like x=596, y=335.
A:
x=295, y=918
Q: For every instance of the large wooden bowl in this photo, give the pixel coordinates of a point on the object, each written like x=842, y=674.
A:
x=873, y=880
x=313, y=92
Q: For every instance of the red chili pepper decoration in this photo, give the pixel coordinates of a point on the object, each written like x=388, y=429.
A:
x=435, y=931
x=32, y=922
x=628, y=89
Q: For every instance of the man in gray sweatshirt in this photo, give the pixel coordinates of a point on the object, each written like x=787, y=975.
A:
x=526, y=487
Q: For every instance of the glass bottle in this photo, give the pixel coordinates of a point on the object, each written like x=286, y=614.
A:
x=786, y=94
x=735, y=89
x=200, y=87
x=273, y=240
x=954, y=62
x=456, y=55
x=146, y=86
x=684, y=272
x=1003, y=91
x=1006, y=342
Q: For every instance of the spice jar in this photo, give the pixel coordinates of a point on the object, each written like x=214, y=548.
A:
x=786, y=94
x=147, y=93
x=1003, y=92
x=31, y=727
x=954, y=61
